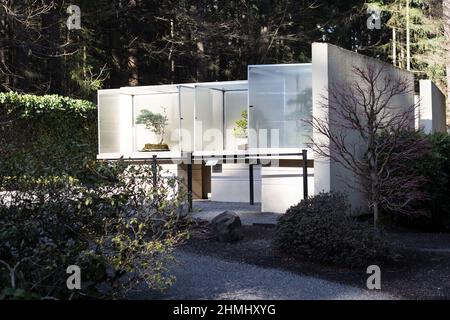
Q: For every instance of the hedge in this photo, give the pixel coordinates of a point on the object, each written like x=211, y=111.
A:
x=46, y=135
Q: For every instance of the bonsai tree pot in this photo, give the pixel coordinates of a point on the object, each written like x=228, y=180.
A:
x=155, y=147
x=242, y=143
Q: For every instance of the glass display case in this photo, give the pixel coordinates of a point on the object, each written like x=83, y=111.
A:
x=156, y=122
x=186, y=117
x=218, y=106
x=212, y=116
x=280, y=99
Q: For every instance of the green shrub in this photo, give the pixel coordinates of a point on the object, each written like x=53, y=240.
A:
x=46, y=135
x=318, y=229
x=439, y=181
x=433, y=204
x=120, y=232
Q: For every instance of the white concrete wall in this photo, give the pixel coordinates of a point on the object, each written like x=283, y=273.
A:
x=232, y=185
x=282, y=187
x=333, y=65
x=431, y=115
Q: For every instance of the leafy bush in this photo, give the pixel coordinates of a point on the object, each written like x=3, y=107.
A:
x=318, y=229
x=121, y=232
x=240, y=129
x=433, y=206
x=46, y=135
x=438, y=185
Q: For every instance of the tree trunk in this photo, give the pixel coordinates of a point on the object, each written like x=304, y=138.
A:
x=408, y=38
x=446, y=20
x=374, y=199
x=133, y=78
x=201, y=62
x=51, y=40
x=4, y=76
x=376, y=217
x=394, y=47
x=171, y=51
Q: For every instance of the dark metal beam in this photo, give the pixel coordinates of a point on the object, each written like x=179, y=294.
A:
x=189, y=178
x=305, y=173
x=252, y=191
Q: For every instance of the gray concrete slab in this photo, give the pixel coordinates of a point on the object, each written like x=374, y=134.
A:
x=249, y=214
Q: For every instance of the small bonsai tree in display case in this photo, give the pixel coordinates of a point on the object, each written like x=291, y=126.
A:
x=156, y=123
x=240, y=131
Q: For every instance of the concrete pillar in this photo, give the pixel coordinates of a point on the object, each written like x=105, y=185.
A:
x=431, y=116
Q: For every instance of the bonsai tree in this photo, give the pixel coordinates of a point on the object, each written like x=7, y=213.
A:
x=155, y=122
x=240, y=129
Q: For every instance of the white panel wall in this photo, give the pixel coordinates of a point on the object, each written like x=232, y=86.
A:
x=232, y=184
x=187, y=105
x=208, y=126
x=282, y=187
x=115, y=122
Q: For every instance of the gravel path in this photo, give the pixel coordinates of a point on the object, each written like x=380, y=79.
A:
x=205, y=277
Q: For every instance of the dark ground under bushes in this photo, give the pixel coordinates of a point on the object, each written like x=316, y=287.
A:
x=422, y=270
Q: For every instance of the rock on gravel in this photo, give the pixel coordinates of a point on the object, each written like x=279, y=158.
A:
x=227, y=227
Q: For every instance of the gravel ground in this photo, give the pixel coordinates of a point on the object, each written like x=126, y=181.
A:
x=206, y=277
x=249, y=214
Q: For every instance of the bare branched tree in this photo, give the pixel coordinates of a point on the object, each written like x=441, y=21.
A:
x=21, y=35
x=358, y=111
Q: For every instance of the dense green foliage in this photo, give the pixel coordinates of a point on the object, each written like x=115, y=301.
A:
x=58, y=207
x=319, y=229
x=120, y=232
x=46, y=135
x=433, y=207
x=127, y=42
x=166, y=41
x=426, y=31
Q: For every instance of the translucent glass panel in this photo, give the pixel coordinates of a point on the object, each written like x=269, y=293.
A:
x=114, y=121
x=235, y=103
x=208, y=119
x=187, y=101
x=280, y=98
x=162, y=104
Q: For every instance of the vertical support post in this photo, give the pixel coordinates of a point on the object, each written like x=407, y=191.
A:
x=133, y=131
x=305, y=173
x=252, y=192
x=189, y=178
x=224, y=141
x=154, y=171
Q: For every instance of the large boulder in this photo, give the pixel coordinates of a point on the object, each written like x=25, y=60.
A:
x=227, y=227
